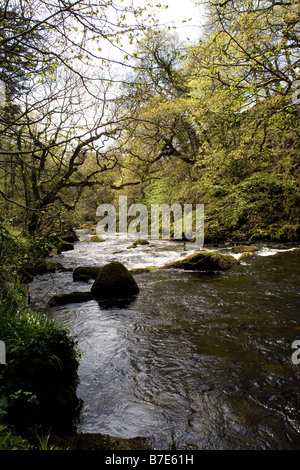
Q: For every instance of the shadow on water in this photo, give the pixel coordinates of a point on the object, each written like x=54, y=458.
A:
x=122, y=304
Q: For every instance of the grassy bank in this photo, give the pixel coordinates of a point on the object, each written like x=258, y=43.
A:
x=38, y=382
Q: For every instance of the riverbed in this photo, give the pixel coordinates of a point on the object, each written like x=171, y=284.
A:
x=195, y=361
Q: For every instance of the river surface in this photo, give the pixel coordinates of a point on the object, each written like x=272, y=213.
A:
x=195, y=361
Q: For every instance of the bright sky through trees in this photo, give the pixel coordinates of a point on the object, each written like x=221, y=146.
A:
x=179, y=11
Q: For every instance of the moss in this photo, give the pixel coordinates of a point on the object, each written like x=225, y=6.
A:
x=62, y=240
x=144, y=270
x=213, y=233
x=97, y=239
x=259, y=234
x=114, y=281
x=205, y=261
x=48, y=267
x=285, y=233
x=276, y=233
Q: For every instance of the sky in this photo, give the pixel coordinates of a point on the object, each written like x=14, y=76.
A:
x=178, y=11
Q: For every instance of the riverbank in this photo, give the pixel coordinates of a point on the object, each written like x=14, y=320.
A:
x=39, y=378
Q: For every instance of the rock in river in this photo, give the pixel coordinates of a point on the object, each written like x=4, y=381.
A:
x=114, y=281
x=138, y=242
x=97, y=239
x=208, y=261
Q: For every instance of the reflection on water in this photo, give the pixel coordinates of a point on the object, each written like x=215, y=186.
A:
x=194, y=361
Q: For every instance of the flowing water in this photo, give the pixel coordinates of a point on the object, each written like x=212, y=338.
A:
x=195, y=361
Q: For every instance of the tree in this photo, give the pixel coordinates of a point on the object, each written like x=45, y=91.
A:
x=159, y=125
x=229, y=137
x=62, y=109
x=252, y=45
x=159, y=58
x=17, y=55
x=242, y=73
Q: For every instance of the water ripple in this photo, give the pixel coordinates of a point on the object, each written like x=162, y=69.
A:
x=195, y=361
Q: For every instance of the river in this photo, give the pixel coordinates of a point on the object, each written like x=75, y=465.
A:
x=195, y=361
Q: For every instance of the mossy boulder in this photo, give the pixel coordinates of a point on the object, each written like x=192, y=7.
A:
x=139, y=241
x=85, y=273
x=97, y=239
x=114, y=281
x=208, y=261
x=244, y=248
x=70, y=298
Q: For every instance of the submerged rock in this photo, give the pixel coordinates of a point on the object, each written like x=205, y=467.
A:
x=244, y=248
x=114, y=281
x=247, y=255
x=207, y=261
x=71, y=298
